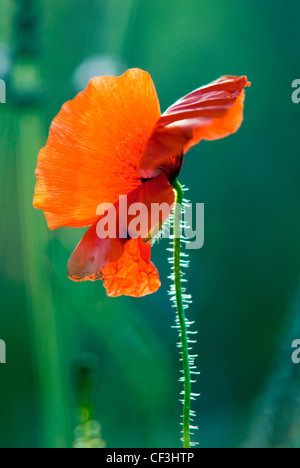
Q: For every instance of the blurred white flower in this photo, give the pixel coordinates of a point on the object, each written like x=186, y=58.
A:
x=5, y=61
x=99, y=65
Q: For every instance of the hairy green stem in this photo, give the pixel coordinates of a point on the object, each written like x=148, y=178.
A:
x=181, y=315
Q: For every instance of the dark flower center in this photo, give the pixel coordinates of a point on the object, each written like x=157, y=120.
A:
x=171, y=168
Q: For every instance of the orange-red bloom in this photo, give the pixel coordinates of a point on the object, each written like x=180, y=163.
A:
x=112, y=140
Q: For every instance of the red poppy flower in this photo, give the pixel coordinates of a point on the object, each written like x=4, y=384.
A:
x=112, y=140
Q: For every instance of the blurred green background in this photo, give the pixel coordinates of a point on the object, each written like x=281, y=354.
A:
x=70, y=349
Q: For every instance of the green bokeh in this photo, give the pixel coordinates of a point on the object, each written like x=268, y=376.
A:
x=245, y=279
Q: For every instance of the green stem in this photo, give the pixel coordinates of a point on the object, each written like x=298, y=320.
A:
x=181, y=315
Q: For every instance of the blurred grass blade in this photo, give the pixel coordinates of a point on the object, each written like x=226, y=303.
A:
x=43, y=322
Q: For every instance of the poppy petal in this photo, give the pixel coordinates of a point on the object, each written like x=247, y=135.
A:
x=209, y=113
x=133, y=274
x=93, y=256
x=156, y=197
x=94, y=148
